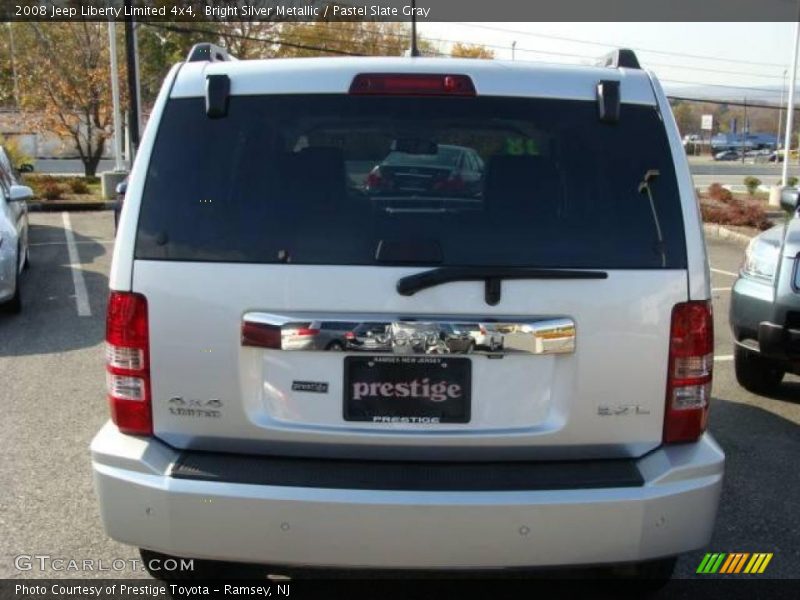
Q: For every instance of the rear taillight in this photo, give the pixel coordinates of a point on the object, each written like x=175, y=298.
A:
x=450, y=183
x=407, y=84
x=375, y=179
x=691, y=360
x=128, y=363
x=306, y=331
x=349, y=335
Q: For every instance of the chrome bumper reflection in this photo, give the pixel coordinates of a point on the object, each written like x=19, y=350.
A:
x=381, y=334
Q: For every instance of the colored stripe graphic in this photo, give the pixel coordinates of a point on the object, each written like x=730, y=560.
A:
x=741, y=562
x=737, y=561
x=711, y=563
x=765, y=563
x=758, y=563
x=726, y=566
x=703, y=563
x=724, y=563
x=718, y=563
x=752, y=564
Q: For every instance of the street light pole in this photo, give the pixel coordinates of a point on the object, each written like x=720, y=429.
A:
x=780, y=111
x=112, y=45
x=790, y=107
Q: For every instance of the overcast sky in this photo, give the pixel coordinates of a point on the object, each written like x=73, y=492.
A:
x=737, y=54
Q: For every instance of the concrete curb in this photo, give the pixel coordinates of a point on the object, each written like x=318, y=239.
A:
x=722, y=232
x=56, y=206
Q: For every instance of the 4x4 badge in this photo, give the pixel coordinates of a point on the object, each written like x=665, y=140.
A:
x=181, y=407
x=192, y=403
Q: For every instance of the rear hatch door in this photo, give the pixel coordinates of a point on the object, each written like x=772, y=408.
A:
x=255, y=225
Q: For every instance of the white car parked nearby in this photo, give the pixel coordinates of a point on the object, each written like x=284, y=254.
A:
x=483, y=334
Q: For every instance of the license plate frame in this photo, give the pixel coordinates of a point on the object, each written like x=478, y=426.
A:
x=391, y=405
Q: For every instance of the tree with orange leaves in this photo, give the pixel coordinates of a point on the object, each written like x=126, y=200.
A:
x=471, y=51
x=65, y=83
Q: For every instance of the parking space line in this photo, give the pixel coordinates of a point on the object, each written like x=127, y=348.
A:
x=725, y=289
x=723, y=358
x=81, y=295
x=721, y=272
x=76, y=242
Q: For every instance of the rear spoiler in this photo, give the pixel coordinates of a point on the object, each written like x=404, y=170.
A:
x=218, y=87
x=608, y=90
x=620, y=58
x=208, y=52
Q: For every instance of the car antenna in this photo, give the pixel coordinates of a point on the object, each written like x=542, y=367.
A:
x=414, y=47
x=644, y=186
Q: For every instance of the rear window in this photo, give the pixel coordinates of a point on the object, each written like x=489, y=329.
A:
x=446, y=156
x=366, y=180
x=338, y=325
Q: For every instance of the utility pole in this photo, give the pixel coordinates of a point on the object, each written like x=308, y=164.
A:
x=744, y=130
x=138, y=76
x=13, y=65
x=414, y=48
x=133, y=86
x=112, y=45
x=790, y=108
x=513, y=49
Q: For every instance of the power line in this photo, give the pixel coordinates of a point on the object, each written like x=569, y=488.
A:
x=589, y=57
x=728, y=102
x=742, y=73
x=720, y=85
x=275, y=41
x=283, y=42
x=495, y=46
x=572, y=54
x=239, y=36
x=652, y=51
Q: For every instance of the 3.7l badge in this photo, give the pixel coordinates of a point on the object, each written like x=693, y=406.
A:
x=619, y=410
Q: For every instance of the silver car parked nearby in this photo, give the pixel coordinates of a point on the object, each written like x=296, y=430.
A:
x=316, y=335
x=13, y=235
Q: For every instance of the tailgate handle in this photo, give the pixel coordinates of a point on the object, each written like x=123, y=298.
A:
x=397, y=334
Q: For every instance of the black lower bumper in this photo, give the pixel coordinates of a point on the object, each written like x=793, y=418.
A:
x=778, y=341
x=408, y=476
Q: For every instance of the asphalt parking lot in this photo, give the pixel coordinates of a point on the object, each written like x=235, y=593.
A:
x=52, y=399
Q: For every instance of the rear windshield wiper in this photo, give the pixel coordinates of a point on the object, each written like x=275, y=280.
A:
x=644, y=187
x=493, y=276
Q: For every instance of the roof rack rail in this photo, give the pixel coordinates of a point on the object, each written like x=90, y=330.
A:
x=208, y=52
x=622, y=57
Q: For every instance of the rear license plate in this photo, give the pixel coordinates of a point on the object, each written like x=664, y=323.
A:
x=407, y=389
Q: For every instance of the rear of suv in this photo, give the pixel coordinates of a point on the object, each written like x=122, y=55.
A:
x=576, y=438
